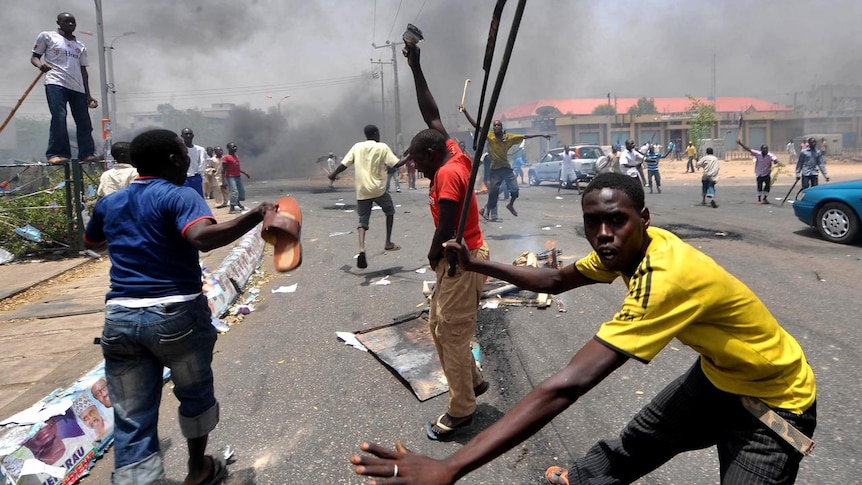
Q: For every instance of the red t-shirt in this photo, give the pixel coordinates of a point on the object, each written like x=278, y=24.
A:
x=451, y=183
x=231, y=165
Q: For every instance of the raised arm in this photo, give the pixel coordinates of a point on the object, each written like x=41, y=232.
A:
x=427, y=104
x=739, y=142
x=469, y=118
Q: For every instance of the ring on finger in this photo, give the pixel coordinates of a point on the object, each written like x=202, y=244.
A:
x=395, y=472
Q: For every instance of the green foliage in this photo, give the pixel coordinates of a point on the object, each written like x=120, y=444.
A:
x=645, y=106
x=702, y=121
x=605, y=110
x=43, y=209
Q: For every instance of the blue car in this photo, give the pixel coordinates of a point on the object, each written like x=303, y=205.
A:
x=834, y=209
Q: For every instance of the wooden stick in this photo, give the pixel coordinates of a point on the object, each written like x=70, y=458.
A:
x=18, y=105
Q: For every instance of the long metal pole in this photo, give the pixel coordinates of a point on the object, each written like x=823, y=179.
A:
x=399, y=145
x=112, y=96
x=100, y=31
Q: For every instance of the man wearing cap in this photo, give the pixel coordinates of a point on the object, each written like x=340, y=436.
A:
x=763, y=162
x=197, y=162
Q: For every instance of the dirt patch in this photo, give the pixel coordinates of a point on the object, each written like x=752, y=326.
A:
x=85, y=270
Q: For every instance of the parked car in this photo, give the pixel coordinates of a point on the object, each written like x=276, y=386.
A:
x=547, y=168
x=834, y=209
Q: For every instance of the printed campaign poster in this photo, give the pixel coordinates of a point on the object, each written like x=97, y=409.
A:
x=56, y=441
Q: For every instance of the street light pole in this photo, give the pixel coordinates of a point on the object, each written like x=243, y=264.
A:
x=382, y=94
x=112, y=91
x=100, y=31
x=278, y=106
x=398, y=139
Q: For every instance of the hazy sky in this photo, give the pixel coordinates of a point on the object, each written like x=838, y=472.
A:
x=192, y=53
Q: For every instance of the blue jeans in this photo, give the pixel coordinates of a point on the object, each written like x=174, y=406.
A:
x=58, y=135
x=137, y=344
x=237, y=191
x=390, y=176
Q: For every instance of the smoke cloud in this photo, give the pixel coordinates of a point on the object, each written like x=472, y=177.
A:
x=195, y=53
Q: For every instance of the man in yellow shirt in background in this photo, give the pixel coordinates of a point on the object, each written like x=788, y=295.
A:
x=748, y=363
x=499, y=143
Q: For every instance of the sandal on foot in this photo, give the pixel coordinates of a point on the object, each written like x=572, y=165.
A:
x=556, y=475
x=218, y=471
x=483, y=213
x=394, y=247
x=512, y=209
x=438, y=431
x=361, y=261
x=482, y=388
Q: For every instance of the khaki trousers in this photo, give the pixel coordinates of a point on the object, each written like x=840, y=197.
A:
x=452, y=319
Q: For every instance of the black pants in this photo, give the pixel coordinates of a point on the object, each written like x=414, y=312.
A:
x=692, y=414
x=810, y=181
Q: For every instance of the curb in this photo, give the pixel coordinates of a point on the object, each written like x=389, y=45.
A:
x=82, y=442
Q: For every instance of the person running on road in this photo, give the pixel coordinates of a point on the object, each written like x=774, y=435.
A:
x=746, y=360
x=763, y=162
x=156, y=314
x=499, y=143
x=370, y=157
x=710, y=166
x=452, y=316
x=568, y=175
x=810, y=161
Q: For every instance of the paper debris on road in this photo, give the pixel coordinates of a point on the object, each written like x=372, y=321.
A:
x=421, y=270
x=491, y=304
x=383, y=281
x=350, y=339
x=285, y=289
x=340, y=233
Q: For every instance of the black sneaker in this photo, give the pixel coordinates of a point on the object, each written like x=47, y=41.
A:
x=713, y=204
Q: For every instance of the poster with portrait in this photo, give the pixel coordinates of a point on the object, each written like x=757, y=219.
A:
x=56, y=441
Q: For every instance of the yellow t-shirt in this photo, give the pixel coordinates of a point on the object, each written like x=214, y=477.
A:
x=499, y=148
x=679, y=292
x=369, y=156
x=690, y=150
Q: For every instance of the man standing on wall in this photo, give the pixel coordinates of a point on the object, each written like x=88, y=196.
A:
x=66, y=82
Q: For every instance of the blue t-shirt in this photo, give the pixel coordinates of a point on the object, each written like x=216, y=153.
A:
x=652, y=159
x=144, y=226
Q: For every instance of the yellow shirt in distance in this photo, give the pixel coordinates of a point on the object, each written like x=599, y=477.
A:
x=499, y=148
x=679, y=292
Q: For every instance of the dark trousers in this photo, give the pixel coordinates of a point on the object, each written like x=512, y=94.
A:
x=498, y=176
x=692, y=414
x=764, y=183
x=58, y=136
x=810, y=181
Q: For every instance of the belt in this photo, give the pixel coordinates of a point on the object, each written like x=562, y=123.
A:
x=779, y=425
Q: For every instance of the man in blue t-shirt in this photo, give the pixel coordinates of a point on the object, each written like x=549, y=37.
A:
x=156, y=314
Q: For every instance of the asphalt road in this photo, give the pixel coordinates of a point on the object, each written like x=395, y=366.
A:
x=296, y=402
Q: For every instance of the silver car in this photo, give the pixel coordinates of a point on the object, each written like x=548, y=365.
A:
x=548, y=167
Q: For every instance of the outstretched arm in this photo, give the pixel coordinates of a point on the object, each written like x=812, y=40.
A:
x=547, y=137
x=593, y=362
x=427, y=104
x=739, y=142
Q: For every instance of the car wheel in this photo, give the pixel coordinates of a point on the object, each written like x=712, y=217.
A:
x=534, y=179
x=837, y=223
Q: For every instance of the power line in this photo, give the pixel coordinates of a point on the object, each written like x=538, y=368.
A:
x=394, y=20
x=420, y=11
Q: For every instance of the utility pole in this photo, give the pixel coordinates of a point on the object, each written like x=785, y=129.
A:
x=398, y=146
x=382, y=93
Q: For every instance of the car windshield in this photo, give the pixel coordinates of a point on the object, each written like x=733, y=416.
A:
x=590, y=152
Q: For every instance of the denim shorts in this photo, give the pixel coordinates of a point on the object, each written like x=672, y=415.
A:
x=137, y=344
x=363, y=207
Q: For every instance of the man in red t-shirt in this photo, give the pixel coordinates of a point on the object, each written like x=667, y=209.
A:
x=232, y=174
x=452, y=317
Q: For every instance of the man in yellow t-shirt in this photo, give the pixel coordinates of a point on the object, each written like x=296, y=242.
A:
x=370, y=157
x=691, y=153
x=674, y=291
x=499, y=143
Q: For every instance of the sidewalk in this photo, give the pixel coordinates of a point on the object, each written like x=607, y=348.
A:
x=48, y=342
